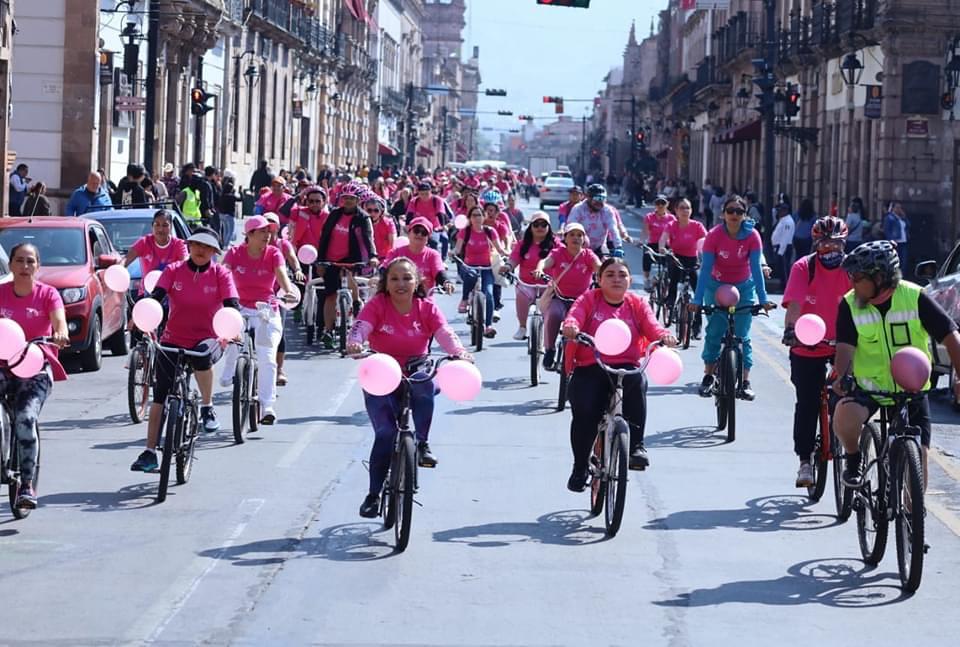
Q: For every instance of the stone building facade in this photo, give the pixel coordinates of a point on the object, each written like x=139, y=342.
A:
x=6, y=55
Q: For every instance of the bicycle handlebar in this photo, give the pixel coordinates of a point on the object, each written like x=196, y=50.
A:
x=184, y=351
x=756, y=309
x=588, y=340
x=413, y=365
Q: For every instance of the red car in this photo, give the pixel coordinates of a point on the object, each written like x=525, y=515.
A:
x=74, y=252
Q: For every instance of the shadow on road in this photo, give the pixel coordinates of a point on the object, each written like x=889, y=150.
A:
x=563, y=528
x=115, y=420
x=687, y=438
x=131, y=497
x=508, y=384
x=355, y=419
x=349, y=542
x=529, y=408
x=674, y=389
x=834, y=582
x=764, y=514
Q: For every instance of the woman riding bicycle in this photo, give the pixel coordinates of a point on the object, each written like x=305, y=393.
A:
x=538, y=241
x=39, y=310
x=400, y=321
x=571, y=267
x=475, y=244
x=731, y=255
x=496, y=219
x=157, y=249
x=293, y=266
x=681, y=237
x=384, y=229
x=590, y=386
x=816, y=285
x=657, y=222
x=256, y=266
x=195, y=290
x=428, y=260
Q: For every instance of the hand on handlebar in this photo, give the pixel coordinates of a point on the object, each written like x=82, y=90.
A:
x=299, y=276
x=373, y=263
x=354, y=349
x=449, y=287
x=570, y=331
x=843, y=386
x=790, y=337
x=467, y=357
x=60, y=340
x=669, y=340
x=769, y=305
x=693, y=307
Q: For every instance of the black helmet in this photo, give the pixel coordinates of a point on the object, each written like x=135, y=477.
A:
x=597, y=191
x=875, y=257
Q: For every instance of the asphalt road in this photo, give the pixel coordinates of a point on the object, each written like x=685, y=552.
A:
x=264, y=545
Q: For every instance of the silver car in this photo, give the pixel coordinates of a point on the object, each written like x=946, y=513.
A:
x=555, y=191
x=943, y=286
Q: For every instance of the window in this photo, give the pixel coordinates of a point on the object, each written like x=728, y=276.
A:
x=57, y=246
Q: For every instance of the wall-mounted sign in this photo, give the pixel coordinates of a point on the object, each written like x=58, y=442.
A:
x=297, y=109
x=918, y=128
x=873, y=108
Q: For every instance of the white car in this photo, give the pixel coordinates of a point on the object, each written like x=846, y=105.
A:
x=555, y=191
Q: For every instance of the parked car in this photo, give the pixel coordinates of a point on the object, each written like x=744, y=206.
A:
x=943, y=286
x=555, y=191
x=560, y=173
x=74, y=252
x=126, y=226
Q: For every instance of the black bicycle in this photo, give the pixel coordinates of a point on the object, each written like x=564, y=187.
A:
x=179, y=420
x=351, y=286
x=730, y=368
x=244, y=405
x=476, y=304
x=140, y=378
x=891, y=488
x=687, y=322
x=659, y=285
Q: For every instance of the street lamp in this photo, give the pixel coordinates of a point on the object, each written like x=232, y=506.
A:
x=743, y=97
x=252, y=73
x=851, y=69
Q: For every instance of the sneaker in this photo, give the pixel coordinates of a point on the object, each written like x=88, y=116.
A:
x=548, y=356
x=490, y=332
x=521, y=334
x=851, y=471
x=746, y=392
x=226, y=381
x=425, y=457
x=462, y=308
x=269, y=416
x=209, y=418
x=578, y=480
x=805, y=475
x=638, y=458
x=496, y=315
x=146, y=462
x=281, y=378
x=707, y=385
x=370, y=507
x=327, y=340
x=26, y=497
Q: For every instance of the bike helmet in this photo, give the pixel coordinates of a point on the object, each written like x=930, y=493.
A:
x=829, y=228
x=491, y=196
x=352, y=189
x=597, y=192
x=875, y=257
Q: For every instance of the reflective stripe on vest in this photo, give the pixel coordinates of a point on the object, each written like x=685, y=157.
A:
x=880, y=336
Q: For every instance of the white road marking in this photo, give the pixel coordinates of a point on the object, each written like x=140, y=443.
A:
x=333, y=404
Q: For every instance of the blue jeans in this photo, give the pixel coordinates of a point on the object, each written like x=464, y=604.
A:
x=440, y=241
x=383, y=411
x=470, y=279
x=229, y=225
x=717, y=325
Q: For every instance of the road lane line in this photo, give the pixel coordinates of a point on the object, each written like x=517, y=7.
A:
x=333, y=404
x=155, y=620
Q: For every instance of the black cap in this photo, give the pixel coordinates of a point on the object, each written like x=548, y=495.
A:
x=135, y=170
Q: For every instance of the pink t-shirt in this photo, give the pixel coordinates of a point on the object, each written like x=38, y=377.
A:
x=308, y=227
x=683, y=240
x=591, y=309
x=657, y=225
x=732, y=256
x=33, y=311
x=821, y=296
x=153, y=257
x=528, y=263
x=253, y=277
x=476, y=252
x=401, y=336
x=339, y=247
x=428, y=261
x=194, y=298
x=271, y=203
x=502, y=228
x=429, y=209
x=384, y=232
x=577, y=280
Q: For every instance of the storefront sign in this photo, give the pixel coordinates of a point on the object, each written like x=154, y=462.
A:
x=873, y=108
x=918, y=128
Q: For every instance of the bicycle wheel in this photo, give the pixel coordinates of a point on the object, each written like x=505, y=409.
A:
x=617, y=478
x=406, y=486
x=598, y=483
x=908, y=486
x=253, y=402
x=479, y=317
x=728, y=367
x=820, y=462
x=872, y=522
x=343, y=321
x=138, y=383
x=842, y=495
x=241, y=390
x=187, y=444
x=169, y=426
x=13, y=489
x=533, y=346
x=388, y=499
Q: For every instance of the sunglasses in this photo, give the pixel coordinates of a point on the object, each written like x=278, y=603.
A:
x=735, y=211
x=419, y=231
x=540, y=224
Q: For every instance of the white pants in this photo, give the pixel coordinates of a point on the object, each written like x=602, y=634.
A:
x=267, y=327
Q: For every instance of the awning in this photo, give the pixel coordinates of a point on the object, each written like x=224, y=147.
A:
x=387, y=150
x=423, y=151
x=742, y=133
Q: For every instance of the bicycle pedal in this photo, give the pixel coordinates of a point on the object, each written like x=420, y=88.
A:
x=926, y=548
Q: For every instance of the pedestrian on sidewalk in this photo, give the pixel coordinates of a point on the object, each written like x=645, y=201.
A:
x=36, y=203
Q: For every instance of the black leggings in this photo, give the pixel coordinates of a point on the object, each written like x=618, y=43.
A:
x=808, y=375
x=676, y=275
x=647, y=258
x=166, y=361
x=589, y=391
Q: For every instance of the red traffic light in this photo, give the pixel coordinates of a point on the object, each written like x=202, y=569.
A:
x=198, y=101
x=641, y=136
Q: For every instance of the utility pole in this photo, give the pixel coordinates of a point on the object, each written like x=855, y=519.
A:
x=767, y=84
x=408, y=145
x=633, y=131
x=198, y=121
x=443, y=137
x=150, y=116
x=583, y=145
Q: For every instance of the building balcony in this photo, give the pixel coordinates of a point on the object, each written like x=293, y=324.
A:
x=393, y=101
x=710, y=78
x=292, y=23
x=739, y=36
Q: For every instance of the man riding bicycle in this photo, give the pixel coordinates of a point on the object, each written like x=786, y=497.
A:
x=882, y=314
x=598, y=220
x=817, y=285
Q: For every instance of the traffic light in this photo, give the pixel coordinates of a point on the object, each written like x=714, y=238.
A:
x=793, y=102
x=641, y=138
x=947, y=101
x=495, y=93
x=580, y=4
x=198, y=102
x=558, y=105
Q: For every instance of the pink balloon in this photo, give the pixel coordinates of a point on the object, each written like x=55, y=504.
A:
x=295, y=291
x=12, y=339
x=459, y=380
x=228, y=323
x=612, y=337
x=150, y=280
x=147, y=314
x=665, y=366
x=910, y=368
x=727, y=295
x=810, y=329
x=700, y=245
x=307, y=254
x=400, y=241
x=461, y=221
x=117, y=278
x=31, y=364
x=379, y=374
